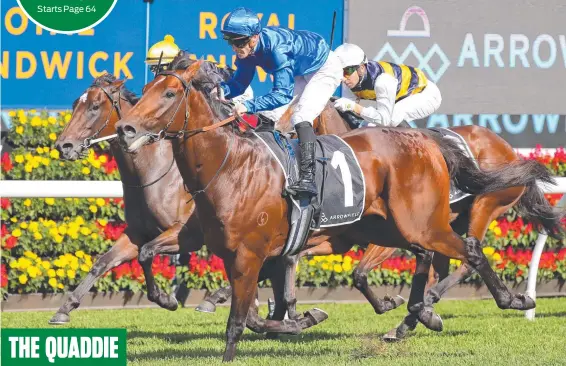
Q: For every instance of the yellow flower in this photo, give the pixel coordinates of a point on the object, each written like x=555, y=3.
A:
x=12, y=113
x=90, y=199
x=93, y=208
x=52, y=136
x=79, y=220
x=62, y=229
x=24, y=225
x=318, y=258
x=52, y=120
x=85, y=231
x=58, y=263
x=60, y=273
x=28, y=168
x=46, y=264
x=27, y=202
x=46, y=149
x=85, y=171
x=60, y=286
x=52, y=282
x=39, y=150
x=488, y=251
x=100, y=202
x=30, y=254
x=50, y=201
x=79, y=254
x=75, y=264
x=338, y=268
x=58, y=239
x=29, y=157
x=94, y=236
x=14, y=264
x=347, y=266
x=67, y=117
x=14, y=219
x=325, y=266
x=23, y=279
x=32, y=111
x=85, y=268
x=103, y=159
x=45, y=161
x=497, y=231
x=44, y=122
x=53, y=232
x=51, y=273
x=19, y=130
x=493, y=225
x=54, y=154
x=71, y=273
x=96, y=164
x=19, y=159
x=17, y=233
x=102, y=222
x=37, y=236
x=312, y=262
x=33, y=226
x=496, y=257
x=33, y=272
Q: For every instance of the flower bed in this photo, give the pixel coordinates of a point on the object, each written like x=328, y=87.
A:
x=49, y=244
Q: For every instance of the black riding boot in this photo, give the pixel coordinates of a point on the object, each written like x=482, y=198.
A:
x=306, y=184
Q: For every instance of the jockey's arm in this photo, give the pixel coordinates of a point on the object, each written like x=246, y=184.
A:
x=385, y=92
x=240, y=81
x=282, y=91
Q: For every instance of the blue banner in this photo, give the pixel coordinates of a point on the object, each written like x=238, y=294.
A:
x=43, y=70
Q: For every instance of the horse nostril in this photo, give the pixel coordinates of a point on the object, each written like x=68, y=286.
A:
x=67, y=146
x=129, y=131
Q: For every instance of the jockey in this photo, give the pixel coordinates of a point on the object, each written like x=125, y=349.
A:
x=402, y=93
x=301, y=63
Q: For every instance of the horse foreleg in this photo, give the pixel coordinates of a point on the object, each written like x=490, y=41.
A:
x=374, y=256
x=220, y=296
x=166, y=242
x=122, y=251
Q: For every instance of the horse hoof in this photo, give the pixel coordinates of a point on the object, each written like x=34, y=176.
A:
x=60, y=318
x=430, y=319
x=317, y=315
x=391, y=336
x=206, y=307
x=395, y=301
x=522, y=302
x=171, y=303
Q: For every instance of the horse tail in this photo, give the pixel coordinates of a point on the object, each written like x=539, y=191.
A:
x=468, y=177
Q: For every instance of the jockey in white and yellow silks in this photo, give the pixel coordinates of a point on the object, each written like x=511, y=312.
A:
x=402, y=93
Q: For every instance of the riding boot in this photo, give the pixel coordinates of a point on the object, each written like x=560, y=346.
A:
x=306, y=184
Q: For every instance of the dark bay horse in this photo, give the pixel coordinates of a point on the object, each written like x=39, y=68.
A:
x=157, y=222
x=407, y=176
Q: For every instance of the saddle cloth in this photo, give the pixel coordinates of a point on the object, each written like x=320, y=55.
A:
x=456, y=194
x=339, y=178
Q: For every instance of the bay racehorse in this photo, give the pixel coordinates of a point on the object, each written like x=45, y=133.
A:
x=235, y=181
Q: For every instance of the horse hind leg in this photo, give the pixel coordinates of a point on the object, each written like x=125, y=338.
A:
x=220, y=296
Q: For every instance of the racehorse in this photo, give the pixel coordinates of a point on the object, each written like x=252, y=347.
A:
x=157, y=223
x=471, y=216
x=235, y=181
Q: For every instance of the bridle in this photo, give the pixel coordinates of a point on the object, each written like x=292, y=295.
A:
x=89, y=141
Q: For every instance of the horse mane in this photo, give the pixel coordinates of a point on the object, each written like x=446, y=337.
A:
x=107, y=79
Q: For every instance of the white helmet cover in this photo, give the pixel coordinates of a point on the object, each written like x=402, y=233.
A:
x=350, y=55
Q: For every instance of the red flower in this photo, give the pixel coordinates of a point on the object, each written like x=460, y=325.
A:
x=5, y=203
x=11, y=242
x=4, y=231
x=3, y=276
x=6, y=162
x=110, y=166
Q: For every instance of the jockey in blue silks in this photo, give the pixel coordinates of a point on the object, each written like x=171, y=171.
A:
x=302, y=65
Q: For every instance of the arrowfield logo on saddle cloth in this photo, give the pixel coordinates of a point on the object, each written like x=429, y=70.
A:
x=339, y=178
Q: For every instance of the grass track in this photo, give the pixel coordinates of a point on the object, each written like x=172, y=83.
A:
x=476, y=333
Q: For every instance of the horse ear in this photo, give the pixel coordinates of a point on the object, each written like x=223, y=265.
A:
x=191, y=71
x=116, y=85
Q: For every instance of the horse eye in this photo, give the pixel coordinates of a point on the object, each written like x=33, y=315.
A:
x=170, y=94
x=95, y=107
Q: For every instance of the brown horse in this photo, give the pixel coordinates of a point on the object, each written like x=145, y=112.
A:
x=236, y=180
x=471, y=216
x=157, y=223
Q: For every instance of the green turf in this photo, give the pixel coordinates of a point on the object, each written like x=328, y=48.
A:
x=476, y=333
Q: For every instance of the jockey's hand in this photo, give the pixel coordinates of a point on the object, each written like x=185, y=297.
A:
x=345, y=105
x=239, y=108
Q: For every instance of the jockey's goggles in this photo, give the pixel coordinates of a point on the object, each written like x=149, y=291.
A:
x=349, y=70
x=239, y=42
